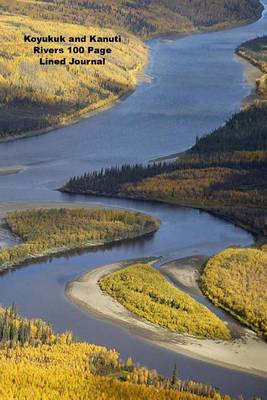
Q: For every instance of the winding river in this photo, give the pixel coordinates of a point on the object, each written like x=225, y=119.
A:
x=196, y=84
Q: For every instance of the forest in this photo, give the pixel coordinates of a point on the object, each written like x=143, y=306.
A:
x=142, y=17
x=254, y=51
x=144, y=291
x=37, y=364
x=235, y=279
x=50, y=231
x=224, y=172
x=15, y=330
x=34, y=97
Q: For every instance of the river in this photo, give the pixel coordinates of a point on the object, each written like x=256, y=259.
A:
x=196, y=84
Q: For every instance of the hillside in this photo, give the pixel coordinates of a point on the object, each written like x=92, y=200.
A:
x=142, y=17
x=225, y=173
x=38, y=364
x=34, y=96
x=235, y=279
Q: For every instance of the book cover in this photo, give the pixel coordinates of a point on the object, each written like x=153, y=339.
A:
x=133, y=164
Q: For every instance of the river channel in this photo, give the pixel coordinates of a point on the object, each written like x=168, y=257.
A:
x=196, y=83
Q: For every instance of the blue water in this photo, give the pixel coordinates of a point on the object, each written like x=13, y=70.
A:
x=197, y=83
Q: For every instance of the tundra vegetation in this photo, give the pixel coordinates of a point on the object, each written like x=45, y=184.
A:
x=144, y=291
x=235, y=279
x=49, y=231
x=37, y=363
x=33, y=96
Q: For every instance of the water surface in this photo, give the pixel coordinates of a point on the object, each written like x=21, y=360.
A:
x=197, y=84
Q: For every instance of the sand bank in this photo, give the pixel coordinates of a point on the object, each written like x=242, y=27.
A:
x=13, y=169
x=247, y=354
x=185, y=272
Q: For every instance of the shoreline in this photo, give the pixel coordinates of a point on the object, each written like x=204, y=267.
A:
x=141, y=76
x=257, y=236
x=246, y=354
x=223, y=26
x=253, y=73
x=5, y=208
x=73, y=120
x=185, y=272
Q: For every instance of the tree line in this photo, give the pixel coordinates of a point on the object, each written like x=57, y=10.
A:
x=15, y=330
x=40, y=364
x=223, y=170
